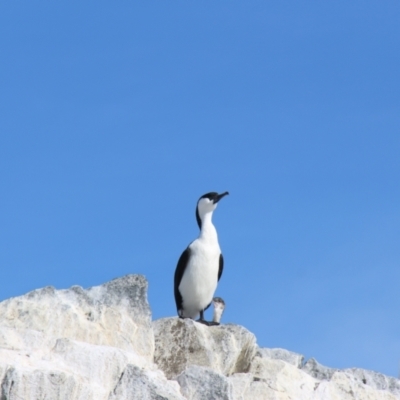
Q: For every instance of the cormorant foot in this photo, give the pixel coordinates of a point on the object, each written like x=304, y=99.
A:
x=202, y=321
x=208, y=323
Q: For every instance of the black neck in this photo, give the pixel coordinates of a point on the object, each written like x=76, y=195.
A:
x=198, y=218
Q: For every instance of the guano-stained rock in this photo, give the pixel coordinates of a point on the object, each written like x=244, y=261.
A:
x=98, y=344
x=284, y=380
x=226, y=349
x=344, y=386
x=358, y=378
x=199, y=383
x=317, y=370
x=74, y=344
x=114, y=314
x=246, y=386
x=290, y=357
x=375, y=380
x=136, y=383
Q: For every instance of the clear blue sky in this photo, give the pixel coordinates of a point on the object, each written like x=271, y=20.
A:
x=115, y=117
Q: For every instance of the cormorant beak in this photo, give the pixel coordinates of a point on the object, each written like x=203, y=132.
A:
x=217, y=198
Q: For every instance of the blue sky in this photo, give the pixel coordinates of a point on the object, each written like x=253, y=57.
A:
x=116, y=117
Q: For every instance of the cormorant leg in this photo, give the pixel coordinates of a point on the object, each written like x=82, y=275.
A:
x=181, y=316
x=203, y=321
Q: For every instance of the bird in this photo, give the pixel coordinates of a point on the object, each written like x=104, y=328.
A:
x=201, y=264
x=219, y=306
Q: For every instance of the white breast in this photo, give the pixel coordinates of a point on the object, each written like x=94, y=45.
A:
x=200, y=278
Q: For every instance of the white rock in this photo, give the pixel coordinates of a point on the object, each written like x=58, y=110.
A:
x=98, y=344
x=100, y=365
x=353, y=380
x=247, y=387
x=277, y=380
x=375, y=380
x=344, y=386
x=317, y=370
x=138, y=384
x=33, y=384
x=39, y=358
x=199, y=383
x=290, y=357
x=226, y=349
x=284, y=380
x=75, y=370
x=114, y=314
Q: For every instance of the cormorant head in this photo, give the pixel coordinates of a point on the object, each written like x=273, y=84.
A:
x=206, y=204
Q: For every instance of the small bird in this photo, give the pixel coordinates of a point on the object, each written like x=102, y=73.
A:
x=219, y=306
x=200, y=266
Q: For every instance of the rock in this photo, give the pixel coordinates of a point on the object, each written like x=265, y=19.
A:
x=247, y=387
x=375, y=380
x=344, y=386
x=393, y=386
x=33, y=384
x=226, y=349
x=290, y=357
x=199, y=383
x=100, y=365
x=69, y=370
x=75, y=343
x=318, y=371
x=351, y=381
x=114, y=314
x=282, y=377
x=283, y=381
x=136, y=383
x=98, y=344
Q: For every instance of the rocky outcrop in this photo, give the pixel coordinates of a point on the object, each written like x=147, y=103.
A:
x=198, y=383
x=139, y=383
x=281, y=354
x=318, y=371
x=75, y=343
x=360, y=377
x=179, y=343
x=100, y=344
x=115, y=314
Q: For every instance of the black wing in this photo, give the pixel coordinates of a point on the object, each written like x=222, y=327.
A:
x=180, y=269
x=221, y=266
